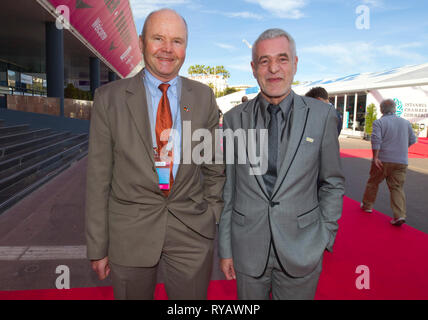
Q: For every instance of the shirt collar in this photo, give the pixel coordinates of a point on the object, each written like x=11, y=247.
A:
x=153, y=84
x=285, y=104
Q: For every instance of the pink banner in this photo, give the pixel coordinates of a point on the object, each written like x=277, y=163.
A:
x=108, y=25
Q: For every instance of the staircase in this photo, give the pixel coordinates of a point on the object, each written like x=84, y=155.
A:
x=30, y=157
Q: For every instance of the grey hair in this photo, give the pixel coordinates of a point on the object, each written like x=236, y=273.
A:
x=143, y=33
x=272, y=34
x=387, y=106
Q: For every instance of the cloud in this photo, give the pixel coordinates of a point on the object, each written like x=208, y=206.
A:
x=245, y=15
x=401, y=51
x=241, y=67
x=349, y=54
x=374, y=3
x=225, y=46
x=360, y=56
x=240, y=63
x=141, y=9
x=289, y=9
x=242, y=14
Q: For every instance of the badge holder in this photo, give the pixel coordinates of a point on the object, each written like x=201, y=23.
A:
x=163, y=169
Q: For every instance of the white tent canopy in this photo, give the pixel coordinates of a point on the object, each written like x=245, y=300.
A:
x=398, y=77
x=229, y=101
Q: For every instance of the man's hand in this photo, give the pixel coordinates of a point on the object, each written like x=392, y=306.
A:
x=226, y=265
x=378, y=163
x=101, y=267
x=376, y=160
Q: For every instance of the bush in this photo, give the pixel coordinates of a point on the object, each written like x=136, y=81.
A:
x=371, y=116
x=225, y=92
x=71, y=92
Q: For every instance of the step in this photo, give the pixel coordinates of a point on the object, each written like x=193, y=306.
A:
x=19, y=190
x=13, y=129
x=21, y=159
x=13, y=178
x=18, y=148
x=29, y=160
x=23, y=136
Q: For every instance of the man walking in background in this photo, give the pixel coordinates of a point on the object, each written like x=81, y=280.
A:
x=321, y=94
x=391, y=138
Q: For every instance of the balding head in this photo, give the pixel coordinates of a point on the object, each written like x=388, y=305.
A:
x=164, y=13
x=163, y=43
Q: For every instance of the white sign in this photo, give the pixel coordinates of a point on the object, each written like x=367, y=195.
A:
x=411, y=102
x=26, y=79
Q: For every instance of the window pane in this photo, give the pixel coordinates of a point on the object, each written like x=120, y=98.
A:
x=361, y=111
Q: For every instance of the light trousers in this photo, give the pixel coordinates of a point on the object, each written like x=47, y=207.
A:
x=277, y=283
x=395, y=175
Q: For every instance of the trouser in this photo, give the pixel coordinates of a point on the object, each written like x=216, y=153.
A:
x=276, y=282
x=187, y=260
x=395, y=175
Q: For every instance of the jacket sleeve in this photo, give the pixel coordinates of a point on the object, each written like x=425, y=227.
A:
x=330, y=179
x=99, y=173
x=412, y=137
x=376, y=137
x=225, y=242
x=213, y=172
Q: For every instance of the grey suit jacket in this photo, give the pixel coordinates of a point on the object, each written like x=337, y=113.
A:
x=125, y=210
x=301, y=216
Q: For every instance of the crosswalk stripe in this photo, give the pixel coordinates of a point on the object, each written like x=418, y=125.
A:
x=37, y=253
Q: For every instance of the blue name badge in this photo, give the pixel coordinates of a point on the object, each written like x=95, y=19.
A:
x=163, y=170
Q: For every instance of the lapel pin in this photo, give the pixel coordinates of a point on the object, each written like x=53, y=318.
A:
x=309, y=140
x=187, y=109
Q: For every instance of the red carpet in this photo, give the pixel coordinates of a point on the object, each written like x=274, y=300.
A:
x=397, y=259
x=418, y=151
x=218, y=290
x=356, y=153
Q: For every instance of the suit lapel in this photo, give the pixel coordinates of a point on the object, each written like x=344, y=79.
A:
x=248, y=122
x=137, y=106
x=187, y=111
x=298, y=124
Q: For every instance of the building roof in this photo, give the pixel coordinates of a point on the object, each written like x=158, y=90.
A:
x=229, y=101
x=414, y=75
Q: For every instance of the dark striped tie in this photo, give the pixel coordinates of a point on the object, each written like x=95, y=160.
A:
x=273, y=146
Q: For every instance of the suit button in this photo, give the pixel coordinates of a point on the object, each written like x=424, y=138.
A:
x=273, y=204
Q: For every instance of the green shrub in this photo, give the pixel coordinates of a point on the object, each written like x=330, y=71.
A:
x=371, y=116
x=71, y=92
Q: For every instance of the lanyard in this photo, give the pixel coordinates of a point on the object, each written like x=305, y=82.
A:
x=151, y=111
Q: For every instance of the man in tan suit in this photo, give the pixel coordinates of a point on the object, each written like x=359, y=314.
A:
x=135, y=217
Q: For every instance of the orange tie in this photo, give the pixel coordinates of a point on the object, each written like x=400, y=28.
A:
x=164, y=122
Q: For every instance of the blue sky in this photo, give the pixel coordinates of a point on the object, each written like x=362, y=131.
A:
x=329, y=44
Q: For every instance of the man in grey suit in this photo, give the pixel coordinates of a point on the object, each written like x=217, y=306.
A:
x=276, y=223
x=142, y=209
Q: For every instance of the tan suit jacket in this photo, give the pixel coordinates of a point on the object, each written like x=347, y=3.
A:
x=126, y=212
